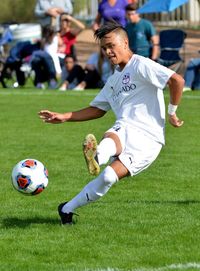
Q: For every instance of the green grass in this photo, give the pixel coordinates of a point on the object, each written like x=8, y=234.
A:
x=147, y=223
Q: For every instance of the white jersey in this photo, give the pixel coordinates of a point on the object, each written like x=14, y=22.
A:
x=135, y=95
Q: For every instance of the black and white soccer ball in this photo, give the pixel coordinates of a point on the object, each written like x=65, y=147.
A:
x=30, y=177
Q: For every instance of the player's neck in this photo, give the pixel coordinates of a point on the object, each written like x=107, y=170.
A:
x=125, y=60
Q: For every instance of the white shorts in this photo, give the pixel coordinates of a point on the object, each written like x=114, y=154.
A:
x=138, y=150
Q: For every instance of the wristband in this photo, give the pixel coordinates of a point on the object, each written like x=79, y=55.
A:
x=172, y=109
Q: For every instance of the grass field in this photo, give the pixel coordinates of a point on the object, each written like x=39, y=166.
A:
x=147, y=223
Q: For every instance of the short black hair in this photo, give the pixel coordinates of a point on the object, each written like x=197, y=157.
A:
x=47, y=33
x=132, y=7
x=70, y=56
x=110, y=26
x=62, y=15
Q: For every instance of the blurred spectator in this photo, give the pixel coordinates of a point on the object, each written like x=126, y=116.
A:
x=110, y=9
x=43, y=66
x=50, y=39
x=74, y=73
x=49, y=11
x=69, y=29
x=97, y=71
x=192, y=75
x=142, y=34
x=45, y=62
x=20, y=53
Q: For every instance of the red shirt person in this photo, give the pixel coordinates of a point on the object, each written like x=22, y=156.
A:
x=67, y=34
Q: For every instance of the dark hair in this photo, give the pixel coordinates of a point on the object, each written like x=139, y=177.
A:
x=62, y=15
x=110, y=26
x=132, y=7
x=71, y=56
x=47, y=33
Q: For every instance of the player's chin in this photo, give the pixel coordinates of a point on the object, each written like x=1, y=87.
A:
x=113, y=60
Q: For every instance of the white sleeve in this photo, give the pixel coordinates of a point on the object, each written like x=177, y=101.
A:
x=154, y=73
x=100, y=101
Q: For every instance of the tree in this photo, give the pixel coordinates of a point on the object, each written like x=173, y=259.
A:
x=19, y=11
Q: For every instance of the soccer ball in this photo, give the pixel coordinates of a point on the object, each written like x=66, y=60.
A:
x=30, y=177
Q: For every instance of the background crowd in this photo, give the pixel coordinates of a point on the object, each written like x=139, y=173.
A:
x=54, y=60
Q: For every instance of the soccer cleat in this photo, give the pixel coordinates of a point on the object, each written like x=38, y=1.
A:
x=66, y=219
x=90, y=154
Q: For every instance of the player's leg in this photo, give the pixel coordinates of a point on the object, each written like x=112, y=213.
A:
x=112, y=144
x=97, y=155
x=109, y=146
x=93, y=190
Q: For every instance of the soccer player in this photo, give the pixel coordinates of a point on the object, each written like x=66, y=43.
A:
x=135, y=94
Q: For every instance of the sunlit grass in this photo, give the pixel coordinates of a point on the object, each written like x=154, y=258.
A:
x=150, y=221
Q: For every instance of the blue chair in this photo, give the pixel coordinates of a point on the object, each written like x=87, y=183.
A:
x=171, y=42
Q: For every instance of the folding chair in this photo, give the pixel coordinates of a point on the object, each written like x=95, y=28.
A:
x=171, y=42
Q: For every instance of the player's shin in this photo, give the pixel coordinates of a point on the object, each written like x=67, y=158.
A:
x=93, y=190
x=105, y=150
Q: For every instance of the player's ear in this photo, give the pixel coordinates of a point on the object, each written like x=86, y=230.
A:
x=126, y=44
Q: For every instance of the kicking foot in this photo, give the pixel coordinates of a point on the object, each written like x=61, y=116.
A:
x=90, y=154
x=66, y=218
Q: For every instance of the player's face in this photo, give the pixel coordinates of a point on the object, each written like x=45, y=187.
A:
x=115, y=48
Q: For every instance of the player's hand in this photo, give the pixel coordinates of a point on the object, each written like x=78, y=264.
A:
x=51, y=117
x=175, y=121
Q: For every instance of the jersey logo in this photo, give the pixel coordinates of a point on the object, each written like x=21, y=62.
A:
x=87, y=196
x=126, y=78
x=116, y=128
x=131, y=162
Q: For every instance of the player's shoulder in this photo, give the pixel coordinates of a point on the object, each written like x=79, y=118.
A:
x=141, y=62
x=112, y=77
x=147, y=64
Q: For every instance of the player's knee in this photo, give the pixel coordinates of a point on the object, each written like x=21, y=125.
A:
x=109, y=176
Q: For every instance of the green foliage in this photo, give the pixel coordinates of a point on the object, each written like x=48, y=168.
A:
x=22, y=11
x=80, y=5
x=19, y=11
x=144, y=223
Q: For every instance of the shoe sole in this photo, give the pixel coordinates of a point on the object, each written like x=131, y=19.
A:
x=90, y=151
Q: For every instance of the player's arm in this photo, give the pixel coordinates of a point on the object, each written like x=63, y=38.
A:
x=84, y=114
x=176, y=84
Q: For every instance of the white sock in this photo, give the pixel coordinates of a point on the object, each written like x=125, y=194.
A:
x=105, y=150
x=93, y=190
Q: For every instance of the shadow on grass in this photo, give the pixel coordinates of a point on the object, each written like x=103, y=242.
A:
x=14, y=222
x=163, y=202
